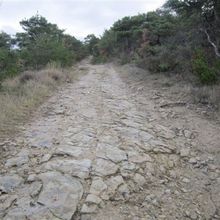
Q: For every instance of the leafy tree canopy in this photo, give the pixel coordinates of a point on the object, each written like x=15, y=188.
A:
x=5, y=40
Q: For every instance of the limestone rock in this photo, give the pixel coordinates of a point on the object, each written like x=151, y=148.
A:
x=89, y=209
x=112, y=153
x=85, y=217
x=25, y=210
x=145, y=136
x=91, y=198
x=158, y=146
x=31, y=178
x=128, y=166
x=5, y=202
x=98, y=186
x=139, y=179
x=187, y=134
x=69, y=151
x=18, y=160
x=165, y=132
x=113, y=183
x=35, y=189
x=185, y=180
x=112, y=140
x=61, y=194
x=193, y=160
x=105, y=167
x=79, y=168
x=10, y=182
x=136, y=157
x=124, y=190
x=46, y=158
x=184, y=152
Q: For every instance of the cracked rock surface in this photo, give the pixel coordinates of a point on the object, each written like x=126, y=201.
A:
x=102, y=148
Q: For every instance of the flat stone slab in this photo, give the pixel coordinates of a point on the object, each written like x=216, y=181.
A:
x=61, y=194
x=34, y=213
x=20, y=159
x=10, y=182
x=5, y=202
x=113, y=183
x=69, y=151
x=112, y=153
x=164, y=132
x=145, y=136
x=136, y=157
x=93, y=199
x=79, y=168
x=89, y=209
x=105, y=167
x=98, y=186
x=139, y=179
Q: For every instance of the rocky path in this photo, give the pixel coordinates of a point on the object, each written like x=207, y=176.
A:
x=103, y=148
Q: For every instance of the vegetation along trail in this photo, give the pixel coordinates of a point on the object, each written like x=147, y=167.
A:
x=107, y=147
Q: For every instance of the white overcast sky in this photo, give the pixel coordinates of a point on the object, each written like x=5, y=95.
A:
x=77, y=17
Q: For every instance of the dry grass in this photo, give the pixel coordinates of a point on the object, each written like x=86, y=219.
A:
x=178, y=89
x=20, y=96
x=207, y=95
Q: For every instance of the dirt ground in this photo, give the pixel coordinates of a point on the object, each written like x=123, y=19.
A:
x=119, y=143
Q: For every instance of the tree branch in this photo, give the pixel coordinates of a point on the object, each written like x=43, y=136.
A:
x=217, y=53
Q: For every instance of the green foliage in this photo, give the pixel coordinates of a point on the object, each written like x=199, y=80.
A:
x=41, y=43
x=107, y=44
x=91, y=42
x=165, y=40
x=36, y=25
x=45, y=50
x=8, y=65
x=99, y=59
x=200, y=66
x=161, y=24
x=44, y=42
x=128, y=34
x=189, y=7
x=5, y=40
x=217, y=65
x=163, y=67
x=75, y=46
x=124, y=59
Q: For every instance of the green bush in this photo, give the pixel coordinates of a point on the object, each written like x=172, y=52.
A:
x=40, y=43
x=46, y=50
x=124, y=59
x=217, y=65
x=200, y=66
x=163, y=67
x=8, y=64
x=99, y=59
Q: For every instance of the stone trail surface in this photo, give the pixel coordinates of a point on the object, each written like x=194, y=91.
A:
x=98, y=150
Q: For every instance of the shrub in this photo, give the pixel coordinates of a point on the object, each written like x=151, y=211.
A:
x=207, y=94
x=26, y=76
x=8, y=64
x=217, y=66
x=163, y=67
x=124, y=59
x=98, y=59
x=200, y=66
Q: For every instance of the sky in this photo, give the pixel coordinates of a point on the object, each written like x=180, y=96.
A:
x=78, y=17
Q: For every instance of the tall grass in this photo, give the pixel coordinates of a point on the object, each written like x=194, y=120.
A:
x=19, y=96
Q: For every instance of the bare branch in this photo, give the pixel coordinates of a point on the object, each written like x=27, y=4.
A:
x=217, y=53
